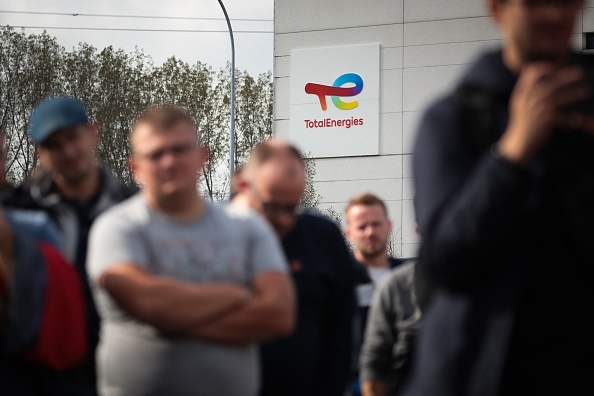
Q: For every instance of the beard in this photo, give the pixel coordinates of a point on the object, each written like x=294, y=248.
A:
x=543, y=52
x=75, y=179
x=373, y=253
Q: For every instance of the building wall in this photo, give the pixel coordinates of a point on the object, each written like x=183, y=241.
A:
x=425, y=46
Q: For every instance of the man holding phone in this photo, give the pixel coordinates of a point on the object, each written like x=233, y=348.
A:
x=504, y=179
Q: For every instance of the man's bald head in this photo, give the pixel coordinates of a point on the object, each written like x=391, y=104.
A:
x=277, y=152
x=272, y=182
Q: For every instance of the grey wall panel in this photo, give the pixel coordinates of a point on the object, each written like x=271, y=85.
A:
x=446, y=54
x=421, y=86
x=344, y=190
x=387, y=36
x=430, y=10
x=298, y=16
x=391, y=133
x=450, y=31
x=356, y=168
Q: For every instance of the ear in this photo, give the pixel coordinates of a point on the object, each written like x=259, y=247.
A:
x=204, y=155
x=133, y=166
x=95, y=132
x=347, y=229
x=242, y=183
x=39, y=154
x=494, y=9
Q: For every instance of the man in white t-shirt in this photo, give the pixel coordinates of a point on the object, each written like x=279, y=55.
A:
x=185, y=288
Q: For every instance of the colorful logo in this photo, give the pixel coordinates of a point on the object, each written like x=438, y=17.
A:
x=336, y=91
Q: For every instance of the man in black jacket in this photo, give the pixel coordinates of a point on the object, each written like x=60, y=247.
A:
x=315, y=359
x=73, y=190
x=504, y=177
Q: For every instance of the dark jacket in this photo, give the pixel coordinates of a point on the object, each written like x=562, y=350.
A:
x=73, y=221
x=506, y=249
x=363, y=280
x=316, y=359
x=392, y=326
x=45, y=329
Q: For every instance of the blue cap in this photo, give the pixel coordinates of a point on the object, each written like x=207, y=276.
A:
x=54, y=114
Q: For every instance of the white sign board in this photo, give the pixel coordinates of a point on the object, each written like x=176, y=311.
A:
x=335, y=100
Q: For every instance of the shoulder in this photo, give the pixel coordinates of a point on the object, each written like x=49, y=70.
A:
x=116, y=189
x=394, y=262
x=19, y=197
x=439, y=118
x=35, y=223
x=233, y=213
x=402, y=276
x=317, y=223
x=129, y=213
x=243, y=219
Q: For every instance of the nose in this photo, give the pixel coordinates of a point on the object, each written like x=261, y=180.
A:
x=168, y=159
x=69, y=149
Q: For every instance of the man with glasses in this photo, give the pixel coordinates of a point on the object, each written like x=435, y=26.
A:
x=73, y=190
x=504, y=180
x=315, y=359
x=185, y=288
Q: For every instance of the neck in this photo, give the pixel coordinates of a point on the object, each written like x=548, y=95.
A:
x=82, y=190
x=186, y=207
x=378, y=261
x=241, y=201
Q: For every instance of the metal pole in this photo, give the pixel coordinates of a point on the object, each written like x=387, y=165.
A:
x=232, y=137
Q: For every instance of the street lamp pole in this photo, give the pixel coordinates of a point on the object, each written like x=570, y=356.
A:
x=232, y=123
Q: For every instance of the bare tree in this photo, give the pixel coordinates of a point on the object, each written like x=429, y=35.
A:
x=116, y=86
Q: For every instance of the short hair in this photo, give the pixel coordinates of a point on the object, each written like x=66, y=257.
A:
x=270, y=150
x=163, y=117
x=366, y=199
x=267, y=150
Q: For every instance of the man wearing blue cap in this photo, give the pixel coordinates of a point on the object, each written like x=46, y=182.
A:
x=73, y=190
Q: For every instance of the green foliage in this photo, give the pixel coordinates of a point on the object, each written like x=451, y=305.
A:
x=116, y=86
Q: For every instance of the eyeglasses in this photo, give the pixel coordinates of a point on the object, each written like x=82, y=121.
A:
x=176, y=150
x=274, y=209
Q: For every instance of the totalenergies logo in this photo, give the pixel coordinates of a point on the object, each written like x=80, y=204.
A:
x=336, y=91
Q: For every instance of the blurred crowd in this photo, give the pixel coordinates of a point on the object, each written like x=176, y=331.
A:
x=152, y=290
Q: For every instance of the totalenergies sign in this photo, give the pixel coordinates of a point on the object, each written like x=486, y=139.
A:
x=336, y=90
x=349, y=78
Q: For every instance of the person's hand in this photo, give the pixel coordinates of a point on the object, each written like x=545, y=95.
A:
x=537, y=105
x=374, y=388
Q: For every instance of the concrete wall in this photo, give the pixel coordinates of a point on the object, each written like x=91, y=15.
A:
x=425, y=46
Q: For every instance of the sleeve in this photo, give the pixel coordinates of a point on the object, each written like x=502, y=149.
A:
x=61, y=341
x=35, y=224
x=380, y=335
x=336, y=355
x=466, y=205
x=114, y=239
x=26, y=293
x=266, y=253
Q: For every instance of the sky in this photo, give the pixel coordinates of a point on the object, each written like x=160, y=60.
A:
x=253, y=51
